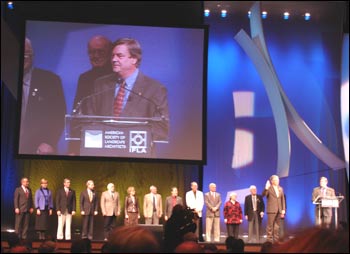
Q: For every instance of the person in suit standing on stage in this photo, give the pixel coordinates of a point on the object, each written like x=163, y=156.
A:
x=23, y=203
x=254, y=209
x=110, y=207
x=170, y=202
x=132, y=207
x=276, y=207
x=130, y=93
x=43, y=108
x=213, y=202
x=323, y=215
x=44, y=206
x=88, y=209
x=152, y=206
x=65, y=208
x=195, y=201
x=283, y=224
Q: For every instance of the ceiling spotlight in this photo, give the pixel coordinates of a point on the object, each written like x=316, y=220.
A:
x=249, y=14
x=307, y=16
x=223, y=13
x=264, y=14
x=286, y=15
x=10, y=5
x=206, y=13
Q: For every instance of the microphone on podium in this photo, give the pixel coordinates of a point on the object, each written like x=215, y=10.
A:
x=77, y=109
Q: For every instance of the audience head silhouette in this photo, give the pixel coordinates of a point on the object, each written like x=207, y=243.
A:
x=47, y=247
x=81, y=246
x=134, y=239
x=316, y=240
x=189, y=247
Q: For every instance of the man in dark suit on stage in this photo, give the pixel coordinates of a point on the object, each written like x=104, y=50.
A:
x=254, y=209
x=23, y=203
x=276, y=207
x=170, y=202
x=43, y=108
x=323, y=215
x=88, y=209
x=128, y=92
x=66, y=208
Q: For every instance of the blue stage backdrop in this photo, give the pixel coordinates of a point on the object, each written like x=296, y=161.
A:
x=242, y=144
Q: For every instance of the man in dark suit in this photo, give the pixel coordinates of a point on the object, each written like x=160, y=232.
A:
x=323, y=215
x=88, y=209
x=254, y=209
x=99, y=51
x=43, y=108
x=170, y=202
x=23, y=203
x=128, y=92
x=65, y=207
x=276, y=207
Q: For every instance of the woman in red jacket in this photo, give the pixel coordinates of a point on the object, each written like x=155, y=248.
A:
x=233, y=215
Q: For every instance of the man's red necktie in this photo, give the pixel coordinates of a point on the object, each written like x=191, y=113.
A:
x=119, y=99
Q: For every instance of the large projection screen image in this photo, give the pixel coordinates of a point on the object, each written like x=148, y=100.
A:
x=117, y=91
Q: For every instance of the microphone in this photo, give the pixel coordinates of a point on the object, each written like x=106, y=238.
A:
x=158, y=108
x=77, y=109
x=339, y=194
x=316, y=199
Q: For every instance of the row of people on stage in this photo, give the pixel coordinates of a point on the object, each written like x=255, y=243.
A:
x=89, y=203
x=254, y=209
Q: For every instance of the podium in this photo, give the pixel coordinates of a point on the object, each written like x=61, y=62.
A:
x=329, y=202
x=112, y=136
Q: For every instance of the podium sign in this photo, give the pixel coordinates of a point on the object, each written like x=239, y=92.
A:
x=112, y=136
x=328, y=202
x=325, y=202
x=131, y=140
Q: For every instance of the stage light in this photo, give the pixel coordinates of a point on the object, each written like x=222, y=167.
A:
x=10, y=5
x=206, y=13
x=307, y=16
x=249, y=14
x=264, y=14
x=286, y=15
x=223, y=13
